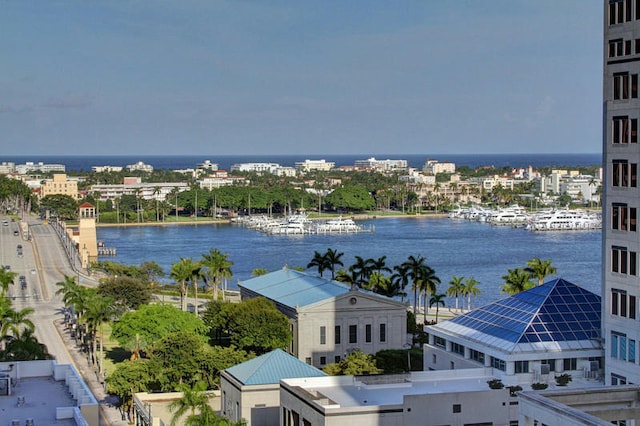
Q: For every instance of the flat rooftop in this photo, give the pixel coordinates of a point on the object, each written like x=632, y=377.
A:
x=42, y=395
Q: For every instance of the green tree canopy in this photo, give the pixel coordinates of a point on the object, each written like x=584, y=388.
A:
x=126, y=292
x=350, y=197
x=62, y=206
x=355, y=364
x=153, y=322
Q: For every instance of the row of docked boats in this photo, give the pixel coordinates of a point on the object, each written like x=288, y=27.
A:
x=543, y=220
x=300, y=224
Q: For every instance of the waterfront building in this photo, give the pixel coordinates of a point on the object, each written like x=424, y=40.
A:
x=29, y=167
x=330, y=319
x=106, y=169
x=255, y=167
x=251, y=390
x=140, y=166
x=207, y=166
x=220, y=179
x=434, y=167
x=381, y=165
x=487, y=183
x=7, y=168
x=85, y=238
x=157, y=191
x=310, y=165
x=60, y=185
x=621, y=239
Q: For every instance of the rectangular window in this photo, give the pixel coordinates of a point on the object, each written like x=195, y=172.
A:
x=353, y=334
x=570, y=364
x=457, y=348
x=632, y=351
x=476, y=356
x=323, y=335
x=624, y=174
x=336, y=358
x=383, y=333
x=337, y=335
x=367, y=333
x=632, y=307
x=615, y=300
x=623, y=218
x=323, y=360
x=624, y=130
x=498, y=364
x=623, y=261
x=439, y=341
x=521, y=367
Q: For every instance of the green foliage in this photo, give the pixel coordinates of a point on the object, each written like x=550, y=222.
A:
x=126, y=292
x=254, y=325
x=396, y=360
x=563, y=379
x=356, y=363
x=539, y=386
x=495, y=384
x=130, y=377
x=517, y=280
x=349, y=197
x=61, y=206
x=513, y=390
x=153, y=322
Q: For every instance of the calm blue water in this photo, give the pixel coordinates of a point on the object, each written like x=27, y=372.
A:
x=450, y=247
x=226, y=161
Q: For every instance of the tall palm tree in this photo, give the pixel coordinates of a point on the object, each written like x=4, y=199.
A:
x=24, y=348
x=379, y=265
x=438, y=300
x=540, y=269
x=181, y=273
x=401, y=278
x=361, y=270
x=332, y=258
x=217, y=269
x=197, y=274
x=100, y=309
x=413, y=267
x=456, y=288
x=516, y=281
x=318, y=261
x=427, y=285
x=470, y=289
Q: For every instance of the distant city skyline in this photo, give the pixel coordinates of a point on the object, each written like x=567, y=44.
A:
x=300, y=78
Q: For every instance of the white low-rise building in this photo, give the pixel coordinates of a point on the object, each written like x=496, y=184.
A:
x=309, y=165
x=29, y=167
x=330, y=319
x=140, y=166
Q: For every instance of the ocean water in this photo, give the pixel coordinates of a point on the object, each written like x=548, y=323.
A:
x=85, y=163
x=451, y=247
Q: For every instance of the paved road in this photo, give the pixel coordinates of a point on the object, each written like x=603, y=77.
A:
x=44, y=263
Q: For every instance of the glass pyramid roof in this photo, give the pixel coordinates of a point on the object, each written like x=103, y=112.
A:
x=556, y=311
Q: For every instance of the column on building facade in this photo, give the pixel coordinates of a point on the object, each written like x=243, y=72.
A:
x=511, y=368
x=559, y=366
x=467, y=353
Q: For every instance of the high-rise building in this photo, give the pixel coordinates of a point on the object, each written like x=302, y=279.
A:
x=621, y=238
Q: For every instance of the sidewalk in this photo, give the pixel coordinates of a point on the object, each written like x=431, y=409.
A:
x=109, y=412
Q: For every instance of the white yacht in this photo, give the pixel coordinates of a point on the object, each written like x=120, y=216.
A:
x=565, y=220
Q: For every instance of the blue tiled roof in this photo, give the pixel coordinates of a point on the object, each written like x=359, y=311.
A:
x=271, y=367
x=295, y=289
x=557, y=311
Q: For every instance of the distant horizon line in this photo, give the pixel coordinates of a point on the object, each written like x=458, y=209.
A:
x=293, y=155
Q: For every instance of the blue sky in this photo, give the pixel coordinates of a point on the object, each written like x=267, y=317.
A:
x=300, y=77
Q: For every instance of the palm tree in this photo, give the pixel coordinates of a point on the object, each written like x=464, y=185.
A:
x=413, y=267
x=383, y=285
x=24, y=348
x=136, y=345
x=6, y=279
x=181, y=273
x=258, y=272
x=193, y=399
x=218, y=268
x=516, y=281
x=456, y=288
x=540, y=269
x=379, y=265
x=319, y=261
x=427, y=284
x=15, y=323
x=470, y=289
x=347, y=277
x=332, y=258
x=438, y=300
x=401, y=278
x=100, y=309
x=196, y=274
x=360, y=269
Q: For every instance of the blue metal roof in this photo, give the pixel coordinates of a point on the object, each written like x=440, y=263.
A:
x=295, y=289
x=556, y=311
x=271, y=367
